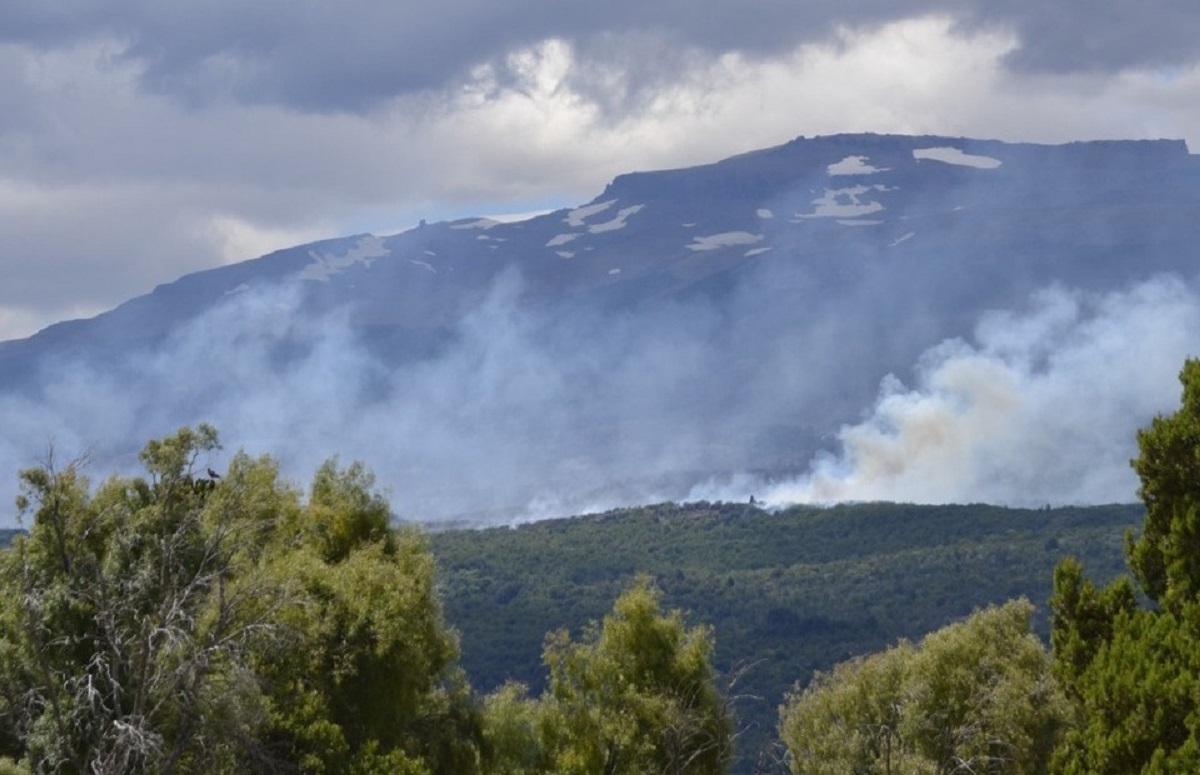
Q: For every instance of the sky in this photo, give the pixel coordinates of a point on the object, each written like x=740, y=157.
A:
x=141, y=140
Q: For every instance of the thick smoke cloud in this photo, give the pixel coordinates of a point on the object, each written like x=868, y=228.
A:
x=528, y=412
x=521, y=414
x=1041, y=407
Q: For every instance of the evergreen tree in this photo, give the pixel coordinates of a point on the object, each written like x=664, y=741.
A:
x=1134, y=673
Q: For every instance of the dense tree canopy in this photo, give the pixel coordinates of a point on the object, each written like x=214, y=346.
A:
x=636, y=694
x=205, y=623
x=786, y=592
x=182, y=622
x=976, y=696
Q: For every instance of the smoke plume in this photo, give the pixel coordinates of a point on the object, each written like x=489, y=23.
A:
x=1041, y=407
x=525, y=411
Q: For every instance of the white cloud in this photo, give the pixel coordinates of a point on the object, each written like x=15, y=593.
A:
x=18, y=323
x=240, y=240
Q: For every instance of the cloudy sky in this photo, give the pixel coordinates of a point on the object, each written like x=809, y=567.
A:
x=143, y=139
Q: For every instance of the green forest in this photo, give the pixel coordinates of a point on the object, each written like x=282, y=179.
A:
x=786, y=593
x=187, y=620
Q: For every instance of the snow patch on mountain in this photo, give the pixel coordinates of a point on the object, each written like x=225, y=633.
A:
x=724, y=240
x=326, y=265
x=575, y=218
x=948, y=155
x=561, y=239
x=423, y=264
x=757, y=251
x=853, y=165
x=480, y=223
x=844, y=203
x=764, y=213
x=618, y=222
x=901, y=239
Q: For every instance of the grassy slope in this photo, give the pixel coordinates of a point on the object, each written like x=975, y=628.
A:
x=787, y=593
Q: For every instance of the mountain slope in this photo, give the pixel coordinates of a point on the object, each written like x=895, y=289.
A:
x=683, y=326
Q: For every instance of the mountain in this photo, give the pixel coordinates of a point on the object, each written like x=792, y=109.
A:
x=684, y=328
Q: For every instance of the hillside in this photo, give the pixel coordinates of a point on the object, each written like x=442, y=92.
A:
x=786, y=592
x=683, y=328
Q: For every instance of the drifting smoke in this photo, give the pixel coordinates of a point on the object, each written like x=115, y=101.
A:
x=524, y=412
x=1042, y=408
x=520, y=415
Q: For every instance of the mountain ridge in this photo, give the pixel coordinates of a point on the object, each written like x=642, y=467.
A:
x=1134, y=150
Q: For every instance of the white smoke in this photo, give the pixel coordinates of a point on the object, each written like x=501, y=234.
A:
x=1042, y=407
x=523, y=414
x=511, y=419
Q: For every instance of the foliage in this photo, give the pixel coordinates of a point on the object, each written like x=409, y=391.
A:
x=1133, y=672
x=118, y=631
x=976, y=696
x=786, y=592
x=217, y=624
x=1166, y=558
x=188, y=622
x=513, y=728
x=636, y=694
x=849, y=719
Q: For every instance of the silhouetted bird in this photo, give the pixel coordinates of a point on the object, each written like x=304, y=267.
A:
x=213, y=474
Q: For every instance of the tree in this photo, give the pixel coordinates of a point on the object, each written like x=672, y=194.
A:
x=121, y=630
x=368, y=669
x=1133, y=673
x=514, y=726
x=194, y=623
x=849, y=720
x=976, y=696
x=636, y=694
x=1165, y=559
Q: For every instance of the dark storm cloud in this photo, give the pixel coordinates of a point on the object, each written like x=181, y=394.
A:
x=1099, y=36
x=354, y=55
